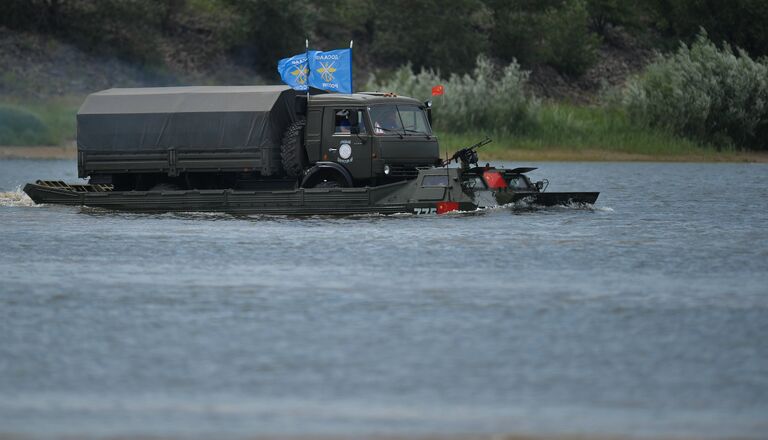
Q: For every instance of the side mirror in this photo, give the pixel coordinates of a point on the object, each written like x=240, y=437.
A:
x=428, y=108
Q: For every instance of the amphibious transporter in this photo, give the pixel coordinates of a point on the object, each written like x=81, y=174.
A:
x=271, y=150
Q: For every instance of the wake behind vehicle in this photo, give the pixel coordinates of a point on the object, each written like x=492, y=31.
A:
x=268, y=149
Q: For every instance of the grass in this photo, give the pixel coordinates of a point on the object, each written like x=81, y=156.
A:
x=28, y=123
x=568, y=132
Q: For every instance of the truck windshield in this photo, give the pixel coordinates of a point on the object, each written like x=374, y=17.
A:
x=403, y=119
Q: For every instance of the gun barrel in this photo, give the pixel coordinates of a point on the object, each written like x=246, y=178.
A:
x=485, y=141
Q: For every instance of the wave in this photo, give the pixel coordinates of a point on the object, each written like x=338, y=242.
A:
x=15, y=198
x=525, y=205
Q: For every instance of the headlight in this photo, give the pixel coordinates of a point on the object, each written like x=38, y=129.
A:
x=345, y=151
x=387, y=170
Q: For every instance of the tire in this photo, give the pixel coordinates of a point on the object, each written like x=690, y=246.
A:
x=325, y=177
x=292, y=153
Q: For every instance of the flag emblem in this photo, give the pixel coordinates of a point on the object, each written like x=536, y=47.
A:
x=294, y=71
x=331, y=70
x=326, y=71
x=300, y=72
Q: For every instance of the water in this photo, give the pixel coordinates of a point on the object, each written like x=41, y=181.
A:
x=645, y=316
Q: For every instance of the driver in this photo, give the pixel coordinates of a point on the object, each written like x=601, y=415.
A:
x=388, y=122
x=343, y=124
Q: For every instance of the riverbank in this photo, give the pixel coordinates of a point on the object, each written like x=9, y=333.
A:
x=69, y=151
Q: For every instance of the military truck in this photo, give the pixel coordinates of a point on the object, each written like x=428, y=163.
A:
x=269, y=150
x=250, y=137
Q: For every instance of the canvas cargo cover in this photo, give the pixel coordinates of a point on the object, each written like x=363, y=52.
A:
x=185, y=118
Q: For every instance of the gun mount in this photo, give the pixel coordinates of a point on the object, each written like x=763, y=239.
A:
x=468, y=155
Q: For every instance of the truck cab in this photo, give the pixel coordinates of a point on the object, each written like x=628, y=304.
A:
x=376, y=137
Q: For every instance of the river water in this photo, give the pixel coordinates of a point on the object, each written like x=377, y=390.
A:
x=644, y=316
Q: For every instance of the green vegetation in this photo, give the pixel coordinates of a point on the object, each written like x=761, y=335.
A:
x=741, y=23
x=427, y=33
x=487, y=98
x=19, y=125
x=700, y=97
x=50, y=122
x=561, y=131
x=493, y=100
x=551, y=32
x=441, y=34
x=706, y=94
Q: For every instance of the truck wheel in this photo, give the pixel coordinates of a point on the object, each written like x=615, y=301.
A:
x=292, y=150
x=327, y=175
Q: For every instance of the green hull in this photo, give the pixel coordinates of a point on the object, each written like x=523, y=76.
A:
x=413, y=196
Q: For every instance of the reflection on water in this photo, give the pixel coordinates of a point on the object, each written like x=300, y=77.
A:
x=644, y=315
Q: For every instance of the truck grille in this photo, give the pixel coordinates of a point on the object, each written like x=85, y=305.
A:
x=403, y=171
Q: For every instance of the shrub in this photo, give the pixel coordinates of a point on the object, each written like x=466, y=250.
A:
x=429, y=33
x=613, y=12
x=569, y=45
x=708, y=94
x=21, y=127
x=488, y=99
x=740, y=22
x=554, y=32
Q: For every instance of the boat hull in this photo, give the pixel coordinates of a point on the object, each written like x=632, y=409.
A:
x=412, y=196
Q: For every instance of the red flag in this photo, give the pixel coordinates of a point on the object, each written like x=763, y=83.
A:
x=494, y=180
x=443, y=207
x=438, y=90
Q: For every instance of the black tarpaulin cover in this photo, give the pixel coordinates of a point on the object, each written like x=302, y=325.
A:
x=185, y=118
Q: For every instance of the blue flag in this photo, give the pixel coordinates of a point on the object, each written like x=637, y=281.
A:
x=294, y=71
x=331, y=70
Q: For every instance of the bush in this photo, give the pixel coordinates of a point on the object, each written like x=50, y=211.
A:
x=554, y=32
x=21, y=127
x=740, y=22
x=613, y=12
x=448, y=35
x=569, y=45
x=268, y=30
x=708, y=94
x=127, y=28
x=49, y=122
x=487, y=99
